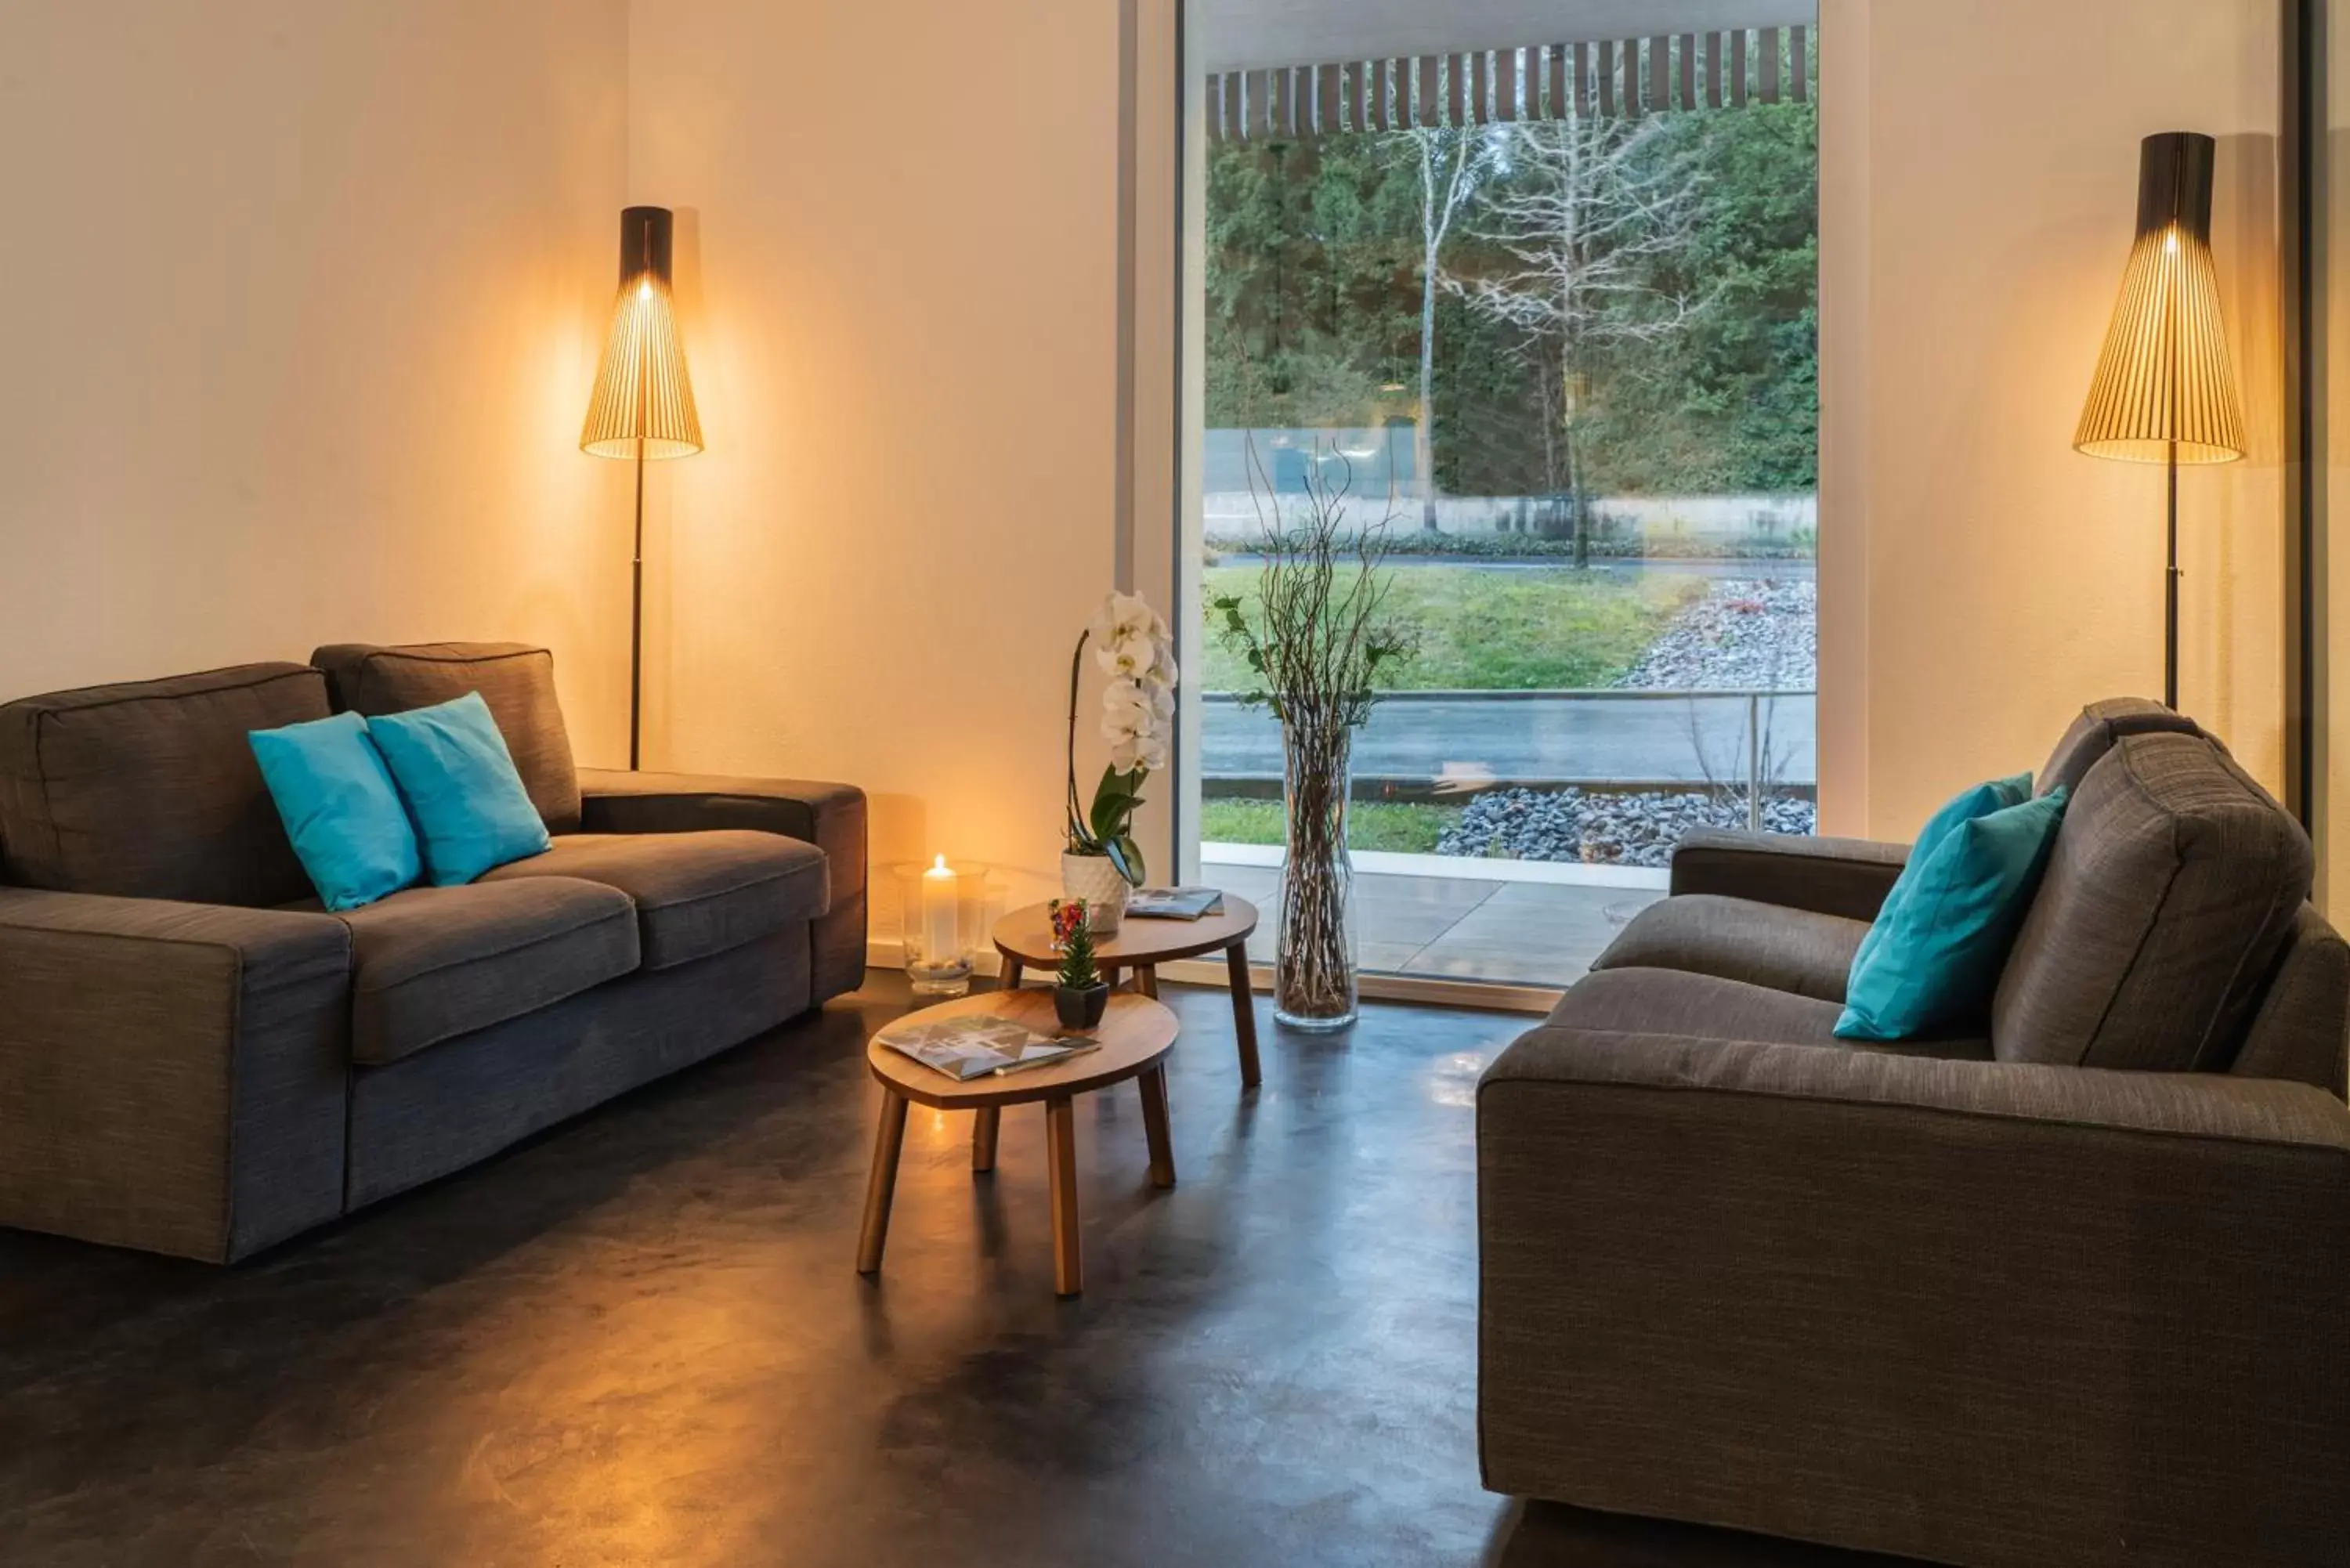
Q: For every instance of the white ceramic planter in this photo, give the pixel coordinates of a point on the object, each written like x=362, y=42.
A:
x=1097, y=879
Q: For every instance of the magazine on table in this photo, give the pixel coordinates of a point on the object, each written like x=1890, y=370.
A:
x=1175, y=903
x=976, y=1046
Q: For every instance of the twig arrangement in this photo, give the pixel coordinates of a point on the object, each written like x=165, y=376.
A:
x=1317, y=634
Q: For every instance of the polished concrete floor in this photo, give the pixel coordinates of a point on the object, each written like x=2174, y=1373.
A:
x=639, y=1340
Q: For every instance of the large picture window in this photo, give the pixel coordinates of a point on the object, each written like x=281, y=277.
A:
x=1543, y=321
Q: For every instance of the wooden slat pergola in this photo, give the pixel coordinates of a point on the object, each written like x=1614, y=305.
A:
x=1627, y=77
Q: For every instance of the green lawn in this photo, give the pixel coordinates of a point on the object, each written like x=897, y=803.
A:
x=1409, y=826
x=1500, y=631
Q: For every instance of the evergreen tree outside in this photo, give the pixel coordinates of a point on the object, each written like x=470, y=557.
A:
x=1316, y=288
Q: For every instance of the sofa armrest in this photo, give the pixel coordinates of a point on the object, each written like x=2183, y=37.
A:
x=1847, y=876
x=172, y=1075
x=830, y=815
x=1963, y=1311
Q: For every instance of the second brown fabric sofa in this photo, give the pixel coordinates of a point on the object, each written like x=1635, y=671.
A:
x=2060, y=1285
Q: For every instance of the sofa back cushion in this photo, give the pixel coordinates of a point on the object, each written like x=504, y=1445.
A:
x=2302, y=1032
x=518, y=681
x=2094, y=733
x=149, y=790
x=2173, y=888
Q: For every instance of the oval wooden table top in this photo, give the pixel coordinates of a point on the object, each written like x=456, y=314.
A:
x=1135, y=1033
x=1026, y=934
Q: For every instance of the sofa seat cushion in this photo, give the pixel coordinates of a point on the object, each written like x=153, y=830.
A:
x=696, y=893
x=432, y=963
x=1739, y=938
x=1709, y=1007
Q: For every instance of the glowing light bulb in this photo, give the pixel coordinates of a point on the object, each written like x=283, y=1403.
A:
x=2170, y=242
x=645, y=286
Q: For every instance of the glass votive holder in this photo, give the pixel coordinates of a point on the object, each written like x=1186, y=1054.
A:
x=946, y=909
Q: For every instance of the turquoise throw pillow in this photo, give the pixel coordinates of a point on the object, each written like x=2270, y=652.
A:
x=1996, y=795
x=336, y=800
x=1939, y=950
x=462, y=793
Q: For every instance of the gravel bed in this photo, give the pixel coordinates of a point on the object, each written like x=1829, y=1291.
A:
x=1605, y=827
x=1746, y=634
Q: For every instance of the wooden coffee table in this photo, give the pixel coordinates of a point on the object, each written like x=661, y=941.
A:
x=1136, y=1034
x=1024, y=939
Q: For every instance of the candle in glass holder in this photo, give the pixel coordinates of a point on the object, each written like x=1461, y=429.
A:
x=940, y=944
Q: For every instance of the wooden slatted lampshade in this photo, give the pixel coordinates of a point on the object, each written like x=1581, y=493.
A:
x=2164, y=387
x=2165, y=390
x=643, y=393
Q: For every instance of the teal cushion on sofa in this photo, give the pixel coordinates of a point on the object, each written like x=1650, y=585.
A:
x=1993, y=795
x=461, y=788
x=339, y=807
x=1938, y=948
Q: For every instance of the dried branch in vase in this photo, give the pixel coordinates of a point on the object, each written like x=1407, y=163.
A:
x=1319, y=635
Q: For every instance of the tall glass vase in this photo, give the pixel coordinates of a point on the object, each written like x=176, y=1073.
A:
x=1313, y=951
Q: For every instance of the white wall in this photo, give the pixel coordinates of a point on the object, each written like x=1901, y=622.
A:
x=302, y=304
x=1978, y=579
x=305, y=301
x=902, y=272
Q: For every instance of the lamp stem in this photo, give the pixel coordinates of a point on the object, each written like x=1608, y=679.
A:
x=637, y=556
x=2170, y=595
x=637, y=620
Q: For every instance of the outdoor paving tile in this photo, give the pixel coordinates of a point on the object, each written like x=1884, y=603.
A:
x=1456, y=893
x=1396, y=942
x=1258, y=884
x=1461, y=927
x=1509, y=966
x=1551, y=918
x=1389, y=958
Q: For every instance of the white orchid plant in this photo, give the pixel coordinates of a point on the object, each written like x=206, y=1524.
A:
x=1137, y=652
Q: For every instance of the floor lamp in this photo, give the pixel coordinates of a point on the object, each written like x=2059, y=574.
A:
x=2165, y=391
x=642, y=408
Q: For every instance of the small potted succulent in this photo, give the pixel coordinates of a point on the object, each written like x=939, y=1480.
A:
x=1080, y=996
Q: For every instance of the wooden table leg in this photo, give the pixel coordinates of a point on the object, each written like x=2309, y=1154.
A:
x=881, y=1185
x=983, y=1126
x=1155, y=1128
x=1244, y=1013
x=1061, y=1161
x=1146, y=975
x=1009, y=977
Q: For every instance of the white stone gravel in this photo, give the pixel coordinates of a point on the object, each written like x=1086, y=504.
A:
x=1604, y=828
x=1747, y=634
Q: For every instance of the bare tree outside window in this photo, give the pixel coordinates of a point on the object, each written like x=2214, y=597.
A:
x=1588, y=205
x=1453, y=162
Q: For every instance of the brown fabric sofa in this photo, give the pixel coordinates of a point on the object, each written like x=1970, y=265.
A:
x=2065, y=1286
x=195, y=1059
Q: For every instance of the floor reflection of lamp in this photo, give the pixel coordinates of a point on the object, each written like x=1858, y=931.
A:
x=643, y=407
x=2165, y=391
